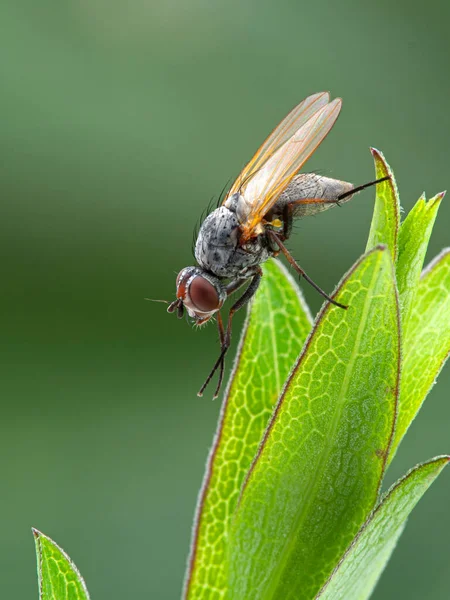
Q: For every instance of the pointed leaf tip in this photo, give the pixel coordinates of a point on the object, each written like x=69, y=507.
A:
x=419, y=327
x=58, y=576
x=413, y=241
x=386, y=217
x=426, y=335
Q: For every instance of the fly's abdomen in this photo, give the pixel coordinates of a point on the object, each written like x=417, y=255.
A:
x=309, y=186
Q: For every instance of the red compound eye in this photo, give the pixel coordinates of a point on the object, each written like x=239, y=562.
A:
x=204, y=295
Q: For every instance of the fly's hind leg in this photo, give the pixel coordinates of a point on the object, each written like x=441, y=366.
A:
x=277, y=240
x=302, y=207
x=225, y=337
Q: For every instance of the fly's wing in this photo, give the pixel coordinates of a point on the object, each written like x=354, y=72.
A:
x=262, y=190
x=281, y=134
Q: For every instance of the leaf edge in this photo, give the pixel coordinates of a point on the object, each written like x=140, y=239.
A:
x=444, y=458
x=38, y=535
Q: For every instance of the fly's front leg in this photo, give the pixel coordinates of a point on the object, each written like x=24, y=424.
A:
x=225, y=338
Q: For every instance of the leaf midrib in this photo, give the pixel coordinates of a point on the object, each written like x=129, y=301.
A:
x=310, y=492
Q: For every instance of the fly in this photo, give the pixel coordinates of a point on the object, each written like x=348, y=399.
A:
x=255, y=220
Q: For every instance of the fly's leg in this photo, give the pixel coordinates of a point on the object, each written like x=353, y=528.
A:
x=286, y=231
x=305, y=206
x=222, y=363
x=362, y=187
x=275, y=238
x=232, y=287
x=225, y=339
x=235, y=285
x=287, y=223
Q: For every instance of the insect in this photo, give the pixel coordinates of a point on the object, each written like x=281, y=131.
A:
x=255, y=219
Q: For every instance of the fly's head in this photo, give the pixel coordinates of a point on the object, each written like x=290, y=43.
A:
x=199, y=292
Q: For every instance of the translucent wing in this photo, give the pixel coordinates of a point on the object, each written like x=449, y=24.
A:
x=298, y=116
x=261, y=190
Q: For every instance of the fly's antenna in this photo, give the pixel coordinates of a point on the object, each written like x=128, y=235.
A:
x=152, y=300
x=177, y=305
x=362, y=187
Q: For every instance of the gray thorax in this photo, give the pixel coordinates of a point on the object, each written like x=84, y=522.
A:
x=217, y=248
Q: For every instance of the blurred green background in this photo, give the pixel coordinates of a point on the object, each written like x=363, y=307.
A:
x=119, y=121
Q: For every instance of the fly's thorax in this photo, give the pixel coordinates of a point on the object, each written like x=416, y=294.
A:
x=218, y=249
x=217, y=240
x=220, y=228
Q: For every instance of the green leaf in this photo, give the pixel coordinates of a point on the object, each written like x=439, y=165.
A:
x=363, y=563
x=414, y=236
x=386, y=214
x=277, y=325
x=426, y=344
x=59, y=579
x=317, y=473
